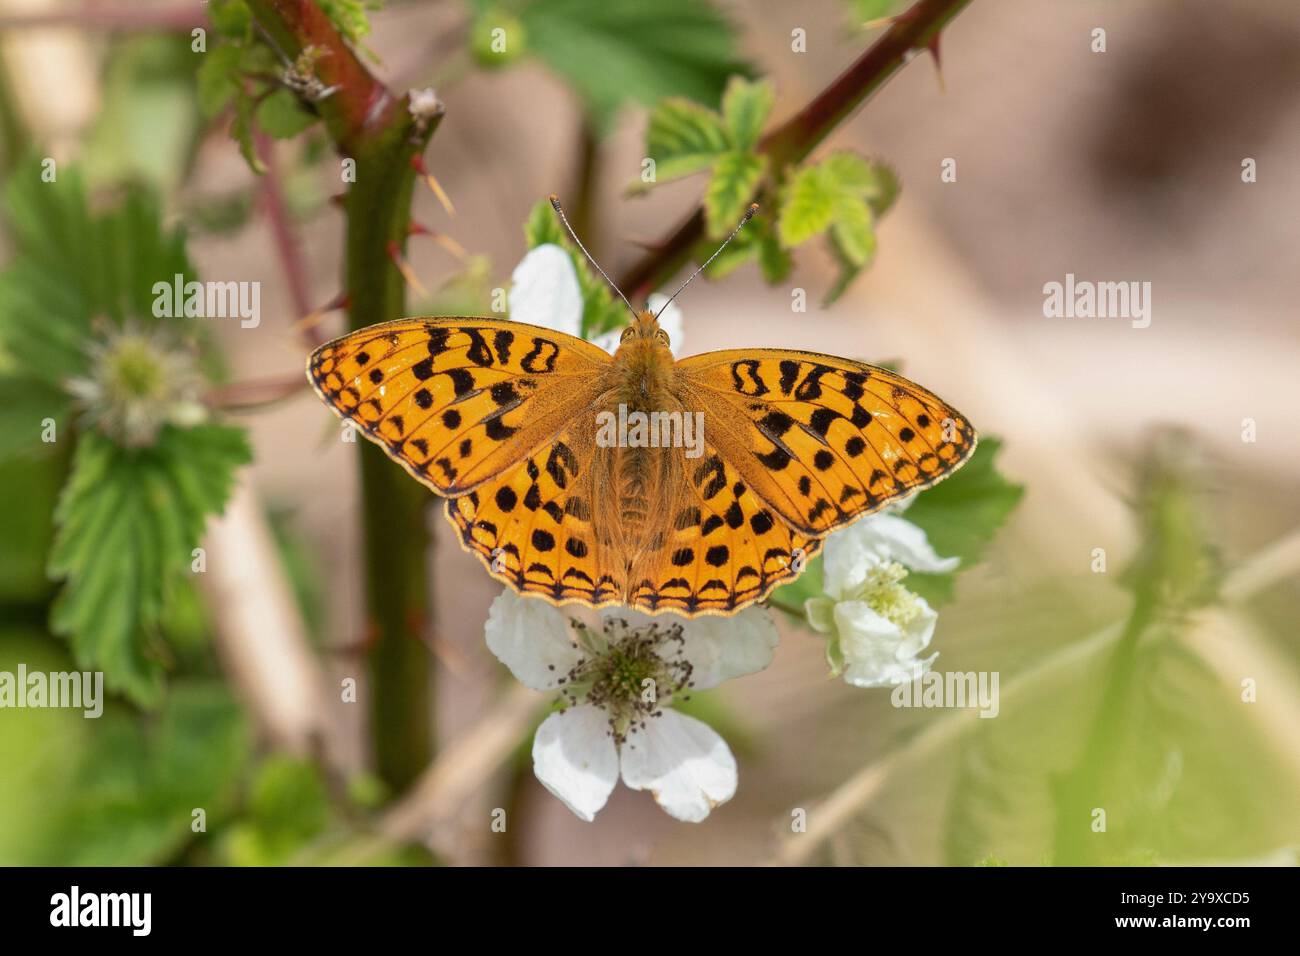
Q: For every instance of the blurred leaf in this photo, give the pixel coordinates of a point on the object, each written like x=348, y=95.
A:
x=1189, y=778
x=288, y=806
x=72, y=266
x=864, y=11
x=683, y=137
x=494, y=49
x=146, y=126
x=218, y=78
x=282, y=116
x=745, y=108
x=138, y=788
x=25, y=403
x=128, y=520
x=350, y=16
x=117, y=790
x=731, y=188
x=26, y=532
x=230, y=18
x=622, y=51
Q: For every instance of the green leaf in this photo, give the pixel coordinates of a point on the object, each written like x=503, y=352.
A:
x=853, y=242
x=683, y=137
x=218, y=78
x=745, y=108
x=349, y=16
x=140, y=784
x=288, y=806
x=128, y=520
x=961, y=514
x=71, y=267
x=281, y=115
x=241, y=131
x=731, y=189
x=230, y=18
x=807, y=206
x=622, y=51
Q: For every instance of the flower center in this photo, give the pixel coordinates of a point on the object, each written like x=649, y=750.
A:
x=630, y=674
x=884, y=593
x=134, y=370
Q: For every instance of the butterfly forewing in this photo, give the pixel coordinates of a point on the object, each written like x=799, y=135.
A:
x=458, y=401
x=823, y=440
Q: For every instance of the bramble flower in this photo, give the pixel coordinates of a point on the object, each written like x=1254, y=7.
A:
x=876, y=628
x=138, y=382
x=544, y=291
x=616, y=686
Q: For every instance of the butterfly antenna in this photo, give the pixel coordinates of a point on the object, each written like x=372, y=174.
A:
x=555, y=204
x=749, y=214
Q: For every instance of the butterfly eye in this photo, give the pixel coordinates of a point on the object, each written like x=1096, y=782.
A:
x=627, y=334
x=662, y=336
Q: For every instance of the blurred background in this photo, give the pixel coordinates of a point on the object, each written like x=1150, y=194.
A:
x=1117, y=165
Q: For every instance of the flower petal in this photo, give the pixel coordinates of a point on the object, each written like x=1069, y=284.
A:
x=720, y=648
x=609, y=341
x=683, y=762
x=670, y=321
x=531, y=638
x=847, y=560
x=877, y=652
x=575, y=758
x=898, y=539
x=544, y=291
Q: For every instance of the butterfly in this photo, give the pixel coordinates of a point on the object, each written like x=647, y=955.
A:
x=510, y=424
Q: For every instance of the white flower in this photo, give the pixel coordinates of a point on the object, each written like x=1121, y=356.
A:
x=876, y=628
x=617, y=686
x=544, y=291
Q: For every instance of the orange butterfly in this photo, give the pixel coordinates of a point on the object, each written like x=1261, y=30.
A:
x=511, y=423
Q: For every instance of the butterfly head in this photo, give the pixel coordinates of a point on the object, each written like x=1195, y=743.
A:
x=645, y=327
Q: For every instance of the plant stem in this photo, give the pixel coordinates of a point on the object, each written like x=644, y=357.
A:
x=382, y=135
x=791, y=142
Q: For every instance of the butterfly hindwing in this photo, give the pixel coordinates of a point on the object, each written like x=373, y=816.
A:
x=725, y=548
x=457, y=401
x=823, y=440
x=534, y=526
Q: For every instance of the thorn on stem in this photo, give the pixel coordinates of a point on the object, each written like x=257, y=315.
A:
x=405, y=269
x=417, y=162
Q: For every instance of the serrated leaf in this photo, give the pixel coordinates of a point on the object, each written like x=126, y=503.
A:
x=281, y=115
x=128, y=520
x=683, y=137
x=745, y=108
x=629, y=51
x=731, y=188
x=71, y=267
x=807, y=207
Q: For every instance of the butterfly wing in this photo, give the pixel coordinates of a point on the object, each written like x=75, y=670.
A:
x=542, y=527
x=458, y=401
x=822, y=440
x=725, y=547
